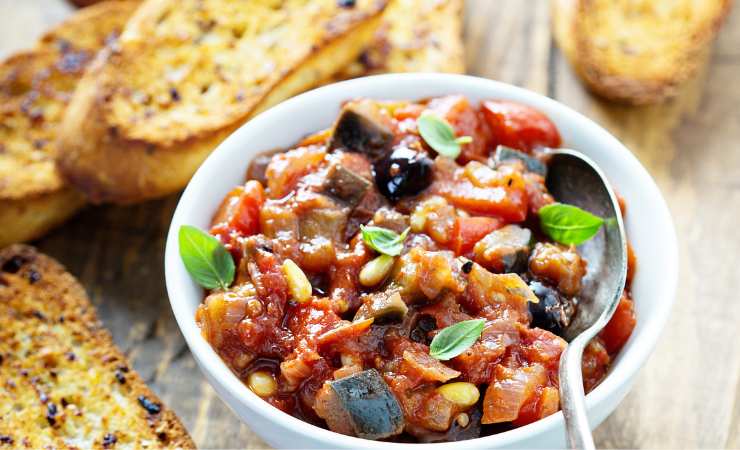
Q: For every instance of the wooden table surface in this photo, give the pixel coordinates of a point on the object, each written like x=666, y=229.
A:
x=688, y=394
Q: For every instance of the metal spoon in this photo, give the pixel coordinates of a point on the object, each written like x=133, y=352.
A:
x=575, y=179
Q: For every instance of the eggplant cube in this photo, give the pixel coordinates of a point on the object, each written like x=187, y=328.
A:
x=382, y=306
x=344, y=185
x=361, y=128
x=361, y=405
x=504, y=154
x=505, y=250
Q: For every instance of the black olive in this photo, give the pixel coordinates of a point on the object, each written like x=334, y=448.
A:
x=420, y=332
x=404, y=172
x=554, y=311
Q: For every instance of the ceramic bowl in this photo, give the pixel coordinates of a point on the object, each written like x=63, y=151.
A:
x=648, y=224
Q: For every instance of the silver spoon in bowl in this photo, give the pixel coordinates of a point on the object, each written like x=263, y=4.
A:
x=575, y=179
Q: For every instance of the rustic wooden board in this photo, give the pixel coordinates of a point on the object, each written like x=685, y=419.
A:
x=687, y=396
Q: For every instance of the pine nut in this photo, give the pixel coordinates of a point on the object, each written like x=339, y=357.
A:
x=262, y=383
x=376, y=270
x=463, y=420
x=299, y=286
x=461, y=393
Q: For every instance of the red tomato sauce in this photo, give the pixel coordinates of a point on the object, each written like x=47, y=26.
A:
x=474, y=250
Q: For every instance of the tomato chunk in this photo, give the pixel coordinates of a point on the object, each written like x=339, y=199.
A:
x=595, y=363
x=620, y=327
x=466, y=121
x=519, y=126
x=469, y=230
x=247, y=216
x=510, y=390
x=238, y=216
x=240, y=211
x=507, y=203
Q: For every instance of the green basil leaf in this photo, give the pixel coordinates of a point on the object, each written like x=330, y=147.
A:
x=383, y=240
x=205, y=258
x=440, y=135
x=568, y=224
x=456, y=338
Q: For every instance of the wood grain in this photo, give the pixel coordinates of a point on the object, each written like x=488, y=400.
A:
x=688, y=394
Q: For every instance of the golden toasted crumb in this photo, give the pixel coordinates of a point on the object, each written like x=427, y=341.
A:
x=64, y=383
x=35, y=87
x=415, y=36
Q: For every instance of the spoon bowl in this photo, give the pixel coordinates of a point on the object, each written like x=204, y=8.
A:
x=575, y=179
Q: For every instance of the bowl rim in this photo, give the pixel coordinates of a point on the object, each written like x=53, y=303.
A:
x=624, y=367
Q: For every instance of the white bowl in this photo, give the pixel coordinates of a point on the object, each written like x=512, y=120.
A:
x=648, y=223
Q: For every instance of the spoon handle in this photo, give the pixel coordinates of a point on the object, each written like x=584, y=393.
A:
x=572, y=397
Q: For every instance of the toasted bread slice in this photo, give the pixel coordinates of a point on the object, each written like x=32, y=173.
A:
x=187, y=73
x=35, y=87
x=415, y=36
x=64, y=383
x=636, y=51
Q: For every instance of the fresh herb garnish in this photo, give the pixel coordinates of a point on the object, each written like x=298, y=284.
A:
x=568, y=224
x=205, y=258
x=440, y=135
x=383, y=240
x=455, y=339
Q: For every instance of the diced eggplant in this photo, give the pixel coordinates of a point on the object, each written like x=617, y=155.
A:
x=554, y=311
x=504, y=250
x=391, y=219
x=322, y=221
x=560, y=265
x=344, y=185
x=258, y=167
x=362, y=129
x=382, y=306
x=505, y=293
x=423, y=275
x=456, y=432
x=360, y=405
x=363, y=213
x=504, y=154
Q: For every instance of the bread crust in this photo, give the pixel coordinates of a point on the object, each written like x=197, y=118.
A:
x=65, y=384
x=35, y=87
x=113, y=150
x=634, y=68
x=30, y=218
x=414, y=36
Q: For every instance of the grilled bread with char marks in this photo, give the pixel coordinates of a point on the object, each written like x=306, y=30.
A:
x=64, y=384
x=636, y=51
x=187, y=73
x=415, y=36
x=35, y=87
